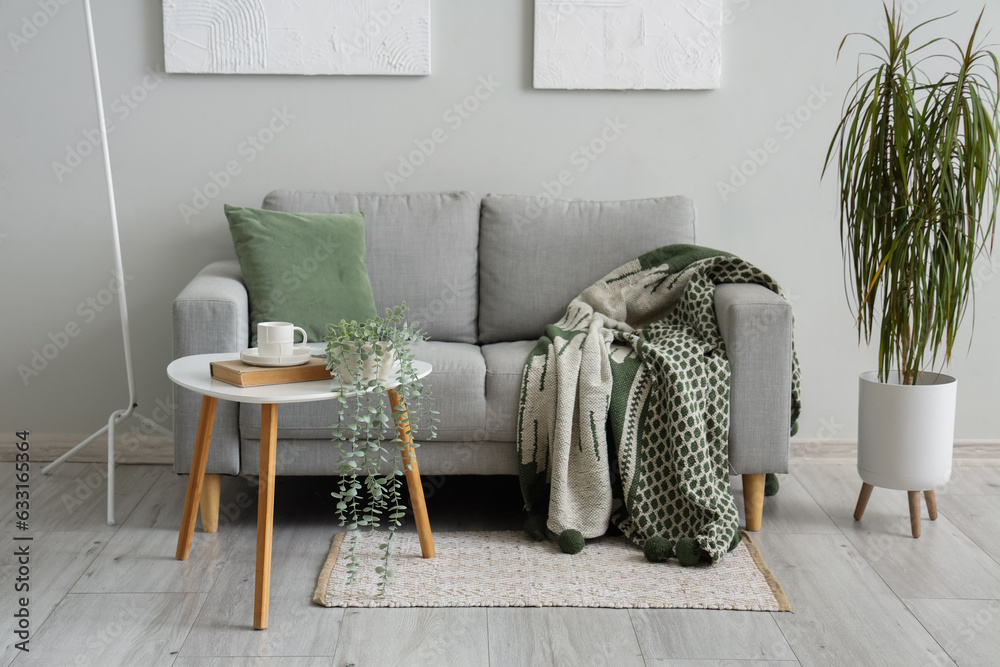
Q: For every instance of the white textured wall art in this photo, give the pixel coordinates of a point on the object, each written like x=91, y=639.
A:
x=628, y=44
x=297, y=36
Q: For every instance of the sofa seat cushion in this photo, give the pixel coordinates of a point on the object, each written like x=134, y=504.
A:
x=504, y=368
x=537, y=254
x=422, y=249
x=435, y=460
x=457, y=383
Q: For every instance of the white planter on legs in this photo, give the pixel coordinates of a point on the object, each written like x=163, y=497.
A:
x=906, y=432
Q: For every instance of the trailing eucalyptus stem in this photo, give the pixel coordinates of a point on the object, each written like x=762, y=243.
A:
x=919, y=186
x=365, y=355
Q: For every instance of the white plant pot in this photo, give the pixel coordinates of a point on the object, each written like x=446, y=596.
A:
x=377, y=366
x=906, y=432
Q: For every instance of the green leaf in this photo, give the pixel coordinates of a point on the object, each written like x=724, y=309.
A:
x=917, y=161
x=360, y=420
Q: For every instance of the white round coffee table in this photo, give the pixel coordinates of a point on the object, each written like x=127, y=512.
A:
x=193, y=373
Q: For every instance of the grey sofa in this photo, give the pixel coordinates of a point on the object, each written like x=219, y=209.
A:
x=483, y=276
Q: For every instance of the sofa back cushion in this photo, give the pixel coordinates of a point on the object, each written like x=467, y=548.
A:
x=421, y=249
x=537, y=254
x=328, y=251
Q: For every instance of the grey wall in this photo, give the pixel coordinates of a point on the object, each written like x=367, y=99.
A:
x=345, y=133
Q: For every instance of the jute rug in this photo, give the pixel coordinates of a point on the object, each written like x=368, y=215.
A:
x=508, y=569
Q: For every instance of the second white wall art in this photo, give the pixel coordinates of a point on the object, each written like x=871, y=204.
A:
x=297, y=36
x=628, y=44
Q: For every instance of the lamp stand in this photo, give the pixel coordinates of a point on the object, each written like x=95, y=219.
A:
x=117, y=416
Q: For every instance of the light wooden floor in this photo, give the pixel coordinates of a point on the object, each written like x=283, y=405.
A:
x=862, y=593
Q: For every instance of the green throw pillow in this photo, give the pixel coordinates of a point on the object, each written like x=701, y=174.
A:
x=304, y=268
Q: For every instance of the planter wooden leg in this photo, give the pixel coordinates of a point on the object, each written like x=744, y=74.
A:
x=211, y=489
x=914, y=497
x=931, y=504
x=753, y=500
x=866, y=493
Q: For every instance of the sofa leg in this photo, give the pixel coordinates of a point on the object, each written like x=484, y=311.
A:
x=753, y=499
x=211, y=489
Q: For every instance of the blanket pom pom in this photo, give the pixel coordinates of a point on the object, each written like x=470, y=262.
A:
x=770, y=484
x=688, y=552
x=571, y=541
x=534, y=526
x=658, y=549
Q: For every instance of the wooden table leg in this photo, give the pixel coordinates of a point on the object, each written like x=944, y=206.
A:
x=412, y=472
x=866, y=493
x=265, y=512
x=914, y=498
x=210, y=490
x=931, y=504
x=197, y=475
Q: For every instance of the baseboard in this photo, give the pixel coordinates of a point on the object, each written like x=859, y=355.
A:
x=816, y=450
x=966, y=452
x=130, y=448
x=159, y=449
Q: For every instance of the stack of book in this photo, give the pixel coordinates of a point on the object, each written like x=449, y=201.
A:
x=242, y=374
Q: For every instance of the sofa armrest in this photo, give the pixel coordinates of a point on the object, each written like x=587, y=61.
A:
x=211, y=314
x=756, y=325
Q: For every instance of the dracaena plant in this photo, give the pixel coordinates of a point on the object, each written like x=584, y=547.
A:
x=917, y=162
x=370, y=463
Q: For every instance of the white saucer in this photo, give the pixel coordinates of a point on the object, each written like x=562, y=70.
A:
x=317, y=349
x=299, y=356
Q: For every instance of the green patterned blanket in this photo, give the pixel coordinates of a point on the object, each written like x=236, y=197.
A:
x=637, y=361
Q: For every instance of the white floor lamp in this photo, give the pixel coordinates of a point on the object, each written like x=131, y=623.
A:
x=117, y=416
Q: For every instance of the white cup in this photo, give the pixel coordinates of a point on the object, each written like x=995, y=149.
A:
x=277, y=339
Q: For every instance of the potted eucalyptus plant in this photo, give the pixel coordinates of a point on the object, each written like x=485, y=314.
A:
x=360, y=353
x=365, y=357
x=916, y=157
